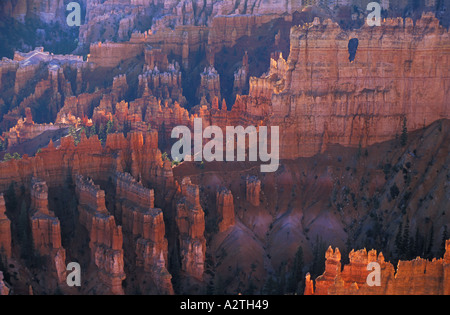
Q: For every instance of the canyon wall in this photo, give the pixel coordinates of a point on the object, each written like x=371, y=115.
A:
x=46, y=229
x=400, y=73
x=145, y=225
x=190, y=220
x=415, y=277
x=106, y=239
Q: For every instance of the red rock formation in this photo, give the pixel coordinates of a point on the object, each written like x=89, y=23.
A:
x=4, y=290
x=190, y=220
x=106, y=238
x=359, y=102
x=46, y=229
x=145, y=224
x=78, y=106
x=415, y=277
x=209, y=84
x=253, y=190
x=241, y=77
x=5, y=231
x=225, y=209
x=26, y=129
x=109, y=55
x=164, y=82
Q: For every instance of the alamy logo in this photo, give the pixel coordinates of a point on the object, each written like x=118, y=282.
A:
x=74, y=17
x=74, y=278
x=213, y=150
x=374, y=278
x=374, y=17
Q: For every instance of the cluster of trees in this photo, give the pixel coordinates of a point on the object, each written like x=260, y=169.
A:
x=3, y=144
x=408, y=247
x=9, y=157
x=102, y=131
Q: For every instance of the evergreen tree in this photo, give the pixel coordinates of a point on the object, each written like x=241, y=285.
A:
x=405, y=243
x=417, y=247
x=399, y=240
x=93, y=131
x=429, y=251
x=270, y=286
x=109, y=127
x=297, y=271
x=444, y=239
x=404, y=136
x=7, y=157
x=102, y=133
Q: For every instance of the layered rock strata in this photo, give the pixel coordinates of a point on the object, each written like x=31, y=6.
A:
x=145, y=224
x=415, y=277
x=225, y=209
x=106, y=239
x=253, y=190
x=190, y=220
x=46, y=229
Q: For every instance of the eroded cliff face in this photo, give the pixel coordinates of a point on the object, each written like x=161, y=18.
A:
x=414, y=277
x=319, y=97
x=106, y=239
x=144, y=223
x=190, y=220
x=46, y=229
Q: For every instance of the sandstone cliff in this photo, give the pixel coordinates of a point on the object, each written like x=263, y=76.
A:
x=145, y=224
x=106, y=238
x=225, y=209
x=46, y=230
x=416, y=277
x=190, y=220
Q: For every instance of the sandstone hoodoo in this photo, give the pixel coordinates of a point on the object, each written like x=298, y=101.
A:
x=145, y=224
x=46, y=229
x=190, y=220
x=416, y=277
x=224, y=147
x=225, y=209
x=106, y=239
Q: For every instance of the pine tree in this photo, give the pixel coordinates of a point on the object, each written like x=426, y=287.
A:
x=399, y=240
x=405, y=243
x=444, y=239
x=417, y=247
x=404, y=136
x=297, y=272
x=429, y=250
x=93, y=131
x=109, y=127
x=102, y=133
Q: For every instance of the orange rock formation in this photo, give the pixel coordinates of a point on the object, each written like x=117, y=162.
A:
x=225, y=209
x=106, y=238
x=253, y=190
x=46, y=229
x=190, y=220
x=415, y=277
x=145, y=224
